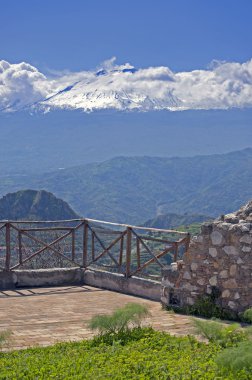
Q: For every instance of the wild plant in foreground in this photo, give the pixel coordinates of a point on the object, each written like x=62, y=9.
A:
x=122, y=319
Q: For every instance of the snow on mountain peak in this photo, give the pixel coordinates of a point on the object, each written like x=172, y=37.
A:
x=123, y=87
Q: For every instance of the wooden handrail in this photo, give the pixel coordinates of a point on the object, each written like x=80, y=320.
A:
x=127, y=259
x=94, y=221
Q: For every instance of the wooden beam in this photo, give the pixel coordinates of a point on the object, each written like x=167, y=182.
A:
x=73, y=245
x=128, y=252
x=108, y=248
x=8, y=246
x=85, y=244
x=103, y=246
x=152, y=260
x=148, y=249
x=20, y=252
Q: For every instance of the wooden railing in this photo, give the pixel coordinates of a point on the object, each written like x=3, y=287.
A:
x=89, y=243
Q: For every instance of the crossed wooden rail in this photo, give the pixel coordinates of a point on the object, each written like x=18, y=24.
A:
x=87, y=247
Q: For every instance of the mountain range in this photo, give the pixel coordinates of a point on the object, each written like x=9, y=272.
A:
x=37, y=143
x=174, y=220
x=34, y=205
x=135, y=189
x=97, y=91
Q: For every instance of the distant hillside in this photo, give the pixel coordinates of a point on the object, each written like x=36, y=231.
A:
x=174, y=220
x=134, y=189
x=34, y=205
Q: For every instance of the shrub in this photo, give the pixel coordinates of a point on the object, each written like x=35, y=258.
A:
x=205, y=306
x=217, y=333
x=155, y=355
x=247, y=315
x=121, y=320
x=236, y=359
x=4, y=336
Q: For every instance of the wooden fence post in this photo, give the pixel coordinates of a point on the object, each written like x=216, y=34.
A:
x=128, y=252
x=20, y=253
x=8, y=246
x=187, y=242
x=175, y=252
x=85, y=245
x=73, y=245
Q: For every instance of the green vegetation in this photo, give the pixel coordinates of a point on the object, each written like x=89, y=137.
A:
x=247, y=315
x=192, y=229
x=186, y=222
x=141, y=353
x=34, y=205
x=134, y=189
x=120, y=320
x=237, y=360
x=223, y=335
x=4, y=337
x=206, y=306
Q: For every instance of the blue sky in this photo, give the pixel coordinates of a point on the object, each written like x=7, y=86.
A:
x=78, y=34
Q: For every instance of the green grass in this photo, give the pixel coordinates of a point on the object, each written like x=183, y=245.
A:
x=139, y=354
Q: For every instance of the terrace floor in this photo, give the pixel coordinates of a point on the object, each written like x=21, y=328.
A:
x=43, y=316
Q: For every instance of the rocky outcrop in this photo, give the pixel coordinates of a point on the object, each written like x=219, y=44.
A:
x=220, y=257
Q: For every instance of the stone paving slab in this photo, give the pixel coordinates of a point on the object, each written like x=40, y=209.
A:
x=43, y=316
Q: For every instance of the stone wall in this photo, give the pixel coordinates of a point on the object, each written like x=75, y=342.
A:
x=77, y=276
x=117, y=282
x=219, y=259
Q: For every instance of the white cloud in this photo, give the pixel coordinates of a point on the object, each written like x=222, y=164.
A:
x=21, y=84
x=222, y=85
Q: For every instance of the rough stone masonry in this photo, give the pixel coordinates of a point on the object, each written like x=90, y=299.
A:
x=219, y=258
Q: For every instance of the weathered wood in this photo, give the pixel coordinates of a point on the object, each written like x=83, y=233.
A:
x=128, y=252
x=108, y=248
x=45, y=247
x=85, y=245
x=70, y=230
x=138, y=253
x=20, y=251
x=8, y=246
x=45, y=229
x=73, y=245
x=95, y=221
x=121, y=250
x=187, y=242
x=148, y=249
x=3, y=226
x=103, y=246
x=157, y=239
x=93, y=247
x=175, y=252
x=136, y=227
x=159, y=255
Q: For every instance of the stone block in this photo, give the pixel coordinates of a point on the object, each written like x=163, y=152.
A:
x=223, y=273
x=230, y=250
x=232, y=305
x=213, y=280
x=226, y=293
x=246, y=249
x=217, y=238
x=230, y=284
x=187, y=276
x=232, y=270
x=213, y=252
x=194, y=266
x=247, y=239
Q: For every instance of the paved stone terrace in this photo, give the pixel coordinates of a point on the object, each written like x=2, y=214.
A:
x=43, y=316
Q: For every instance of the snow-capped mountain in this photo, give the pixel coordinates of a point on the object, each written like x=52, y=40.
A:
x=110, y=90
x=123, y=87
